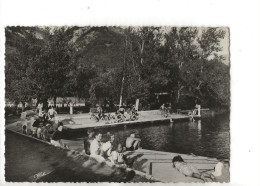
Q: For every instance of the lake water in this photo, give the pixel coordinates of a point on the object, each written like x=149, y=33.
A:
x=209, y=136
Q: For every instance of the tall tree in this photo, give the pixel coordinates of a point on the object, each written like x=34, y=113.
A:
x=22, y=44
x=50, y=71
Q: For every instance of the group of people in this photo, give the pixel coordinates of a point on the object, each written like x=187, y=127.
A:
x=119, y=116
x=42, y=126
x=132, y=112
x=164, y=110
x=107, y=150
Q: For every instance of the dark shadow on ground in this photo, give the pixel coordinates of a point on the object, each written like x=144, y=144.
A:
x=26, y=157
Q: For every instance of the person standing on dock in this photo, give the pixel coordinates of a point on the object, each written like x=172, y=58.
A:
x=162, y=107
x=132, y=143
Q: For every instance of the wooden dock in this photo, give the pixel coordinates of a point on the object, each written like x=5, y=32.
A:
x=83, y=121
x=158, y=164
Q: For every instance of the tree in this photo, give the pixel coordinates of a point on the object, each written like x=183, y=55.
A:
x=44, y=66
x=190, y=51
x=49, y=72
x=141, y=54
x=91, y=62
x=21, y=45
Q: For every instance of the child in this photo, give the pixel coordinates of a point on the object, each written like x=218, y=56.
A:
x=117, y=156
x=189, y=170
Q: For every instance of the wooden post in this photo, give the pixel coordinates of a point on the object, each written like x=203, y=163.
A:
x=199, y=110
x=136, y=104
x=40, y=109
x=122, y=86
x=71, y=108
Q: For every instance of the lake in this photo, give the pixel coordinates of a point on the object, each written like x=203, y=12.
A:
x=209, y=136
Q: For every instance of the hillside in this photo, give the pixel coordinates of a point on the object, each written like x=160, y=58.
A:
x=100, y=46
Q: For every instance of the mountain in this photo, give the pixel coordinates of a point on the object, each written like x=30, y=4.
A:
x=99, y=46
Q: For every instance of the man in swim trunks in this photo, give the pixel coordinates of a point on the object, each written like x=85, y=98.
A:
x=132, y=143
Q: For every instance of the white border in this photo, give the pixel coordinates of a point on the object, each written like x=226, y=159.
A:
x=241, y=16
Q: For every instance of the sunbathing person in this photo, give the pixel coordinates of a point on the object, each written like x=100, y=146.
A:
x=189, y=170
x=132, y=143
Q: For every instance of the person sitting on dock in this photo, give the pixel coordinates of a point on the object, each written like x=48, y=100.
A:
x=189, y=170
x=51, y=113
x=57, y=136
x=100, y=111
x=35, y=126
x=88, y=140
x=117, y=156
x=107, y=146
x=121, y=110
x=132, y=143
x=95, y=147
x=133, y=114
x=164, y=110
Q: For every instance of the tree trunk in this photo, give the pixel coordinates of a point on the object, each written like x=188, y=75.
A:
x=54, y=101
x=179, y=92
x=123, y=79
x=178, y=96
x=23, y=106
x=142, y=51
x=45, y=103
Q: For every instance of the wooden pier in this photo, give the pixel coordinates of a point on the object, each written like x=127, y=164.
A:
x=83, y=121
x=158, y=164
